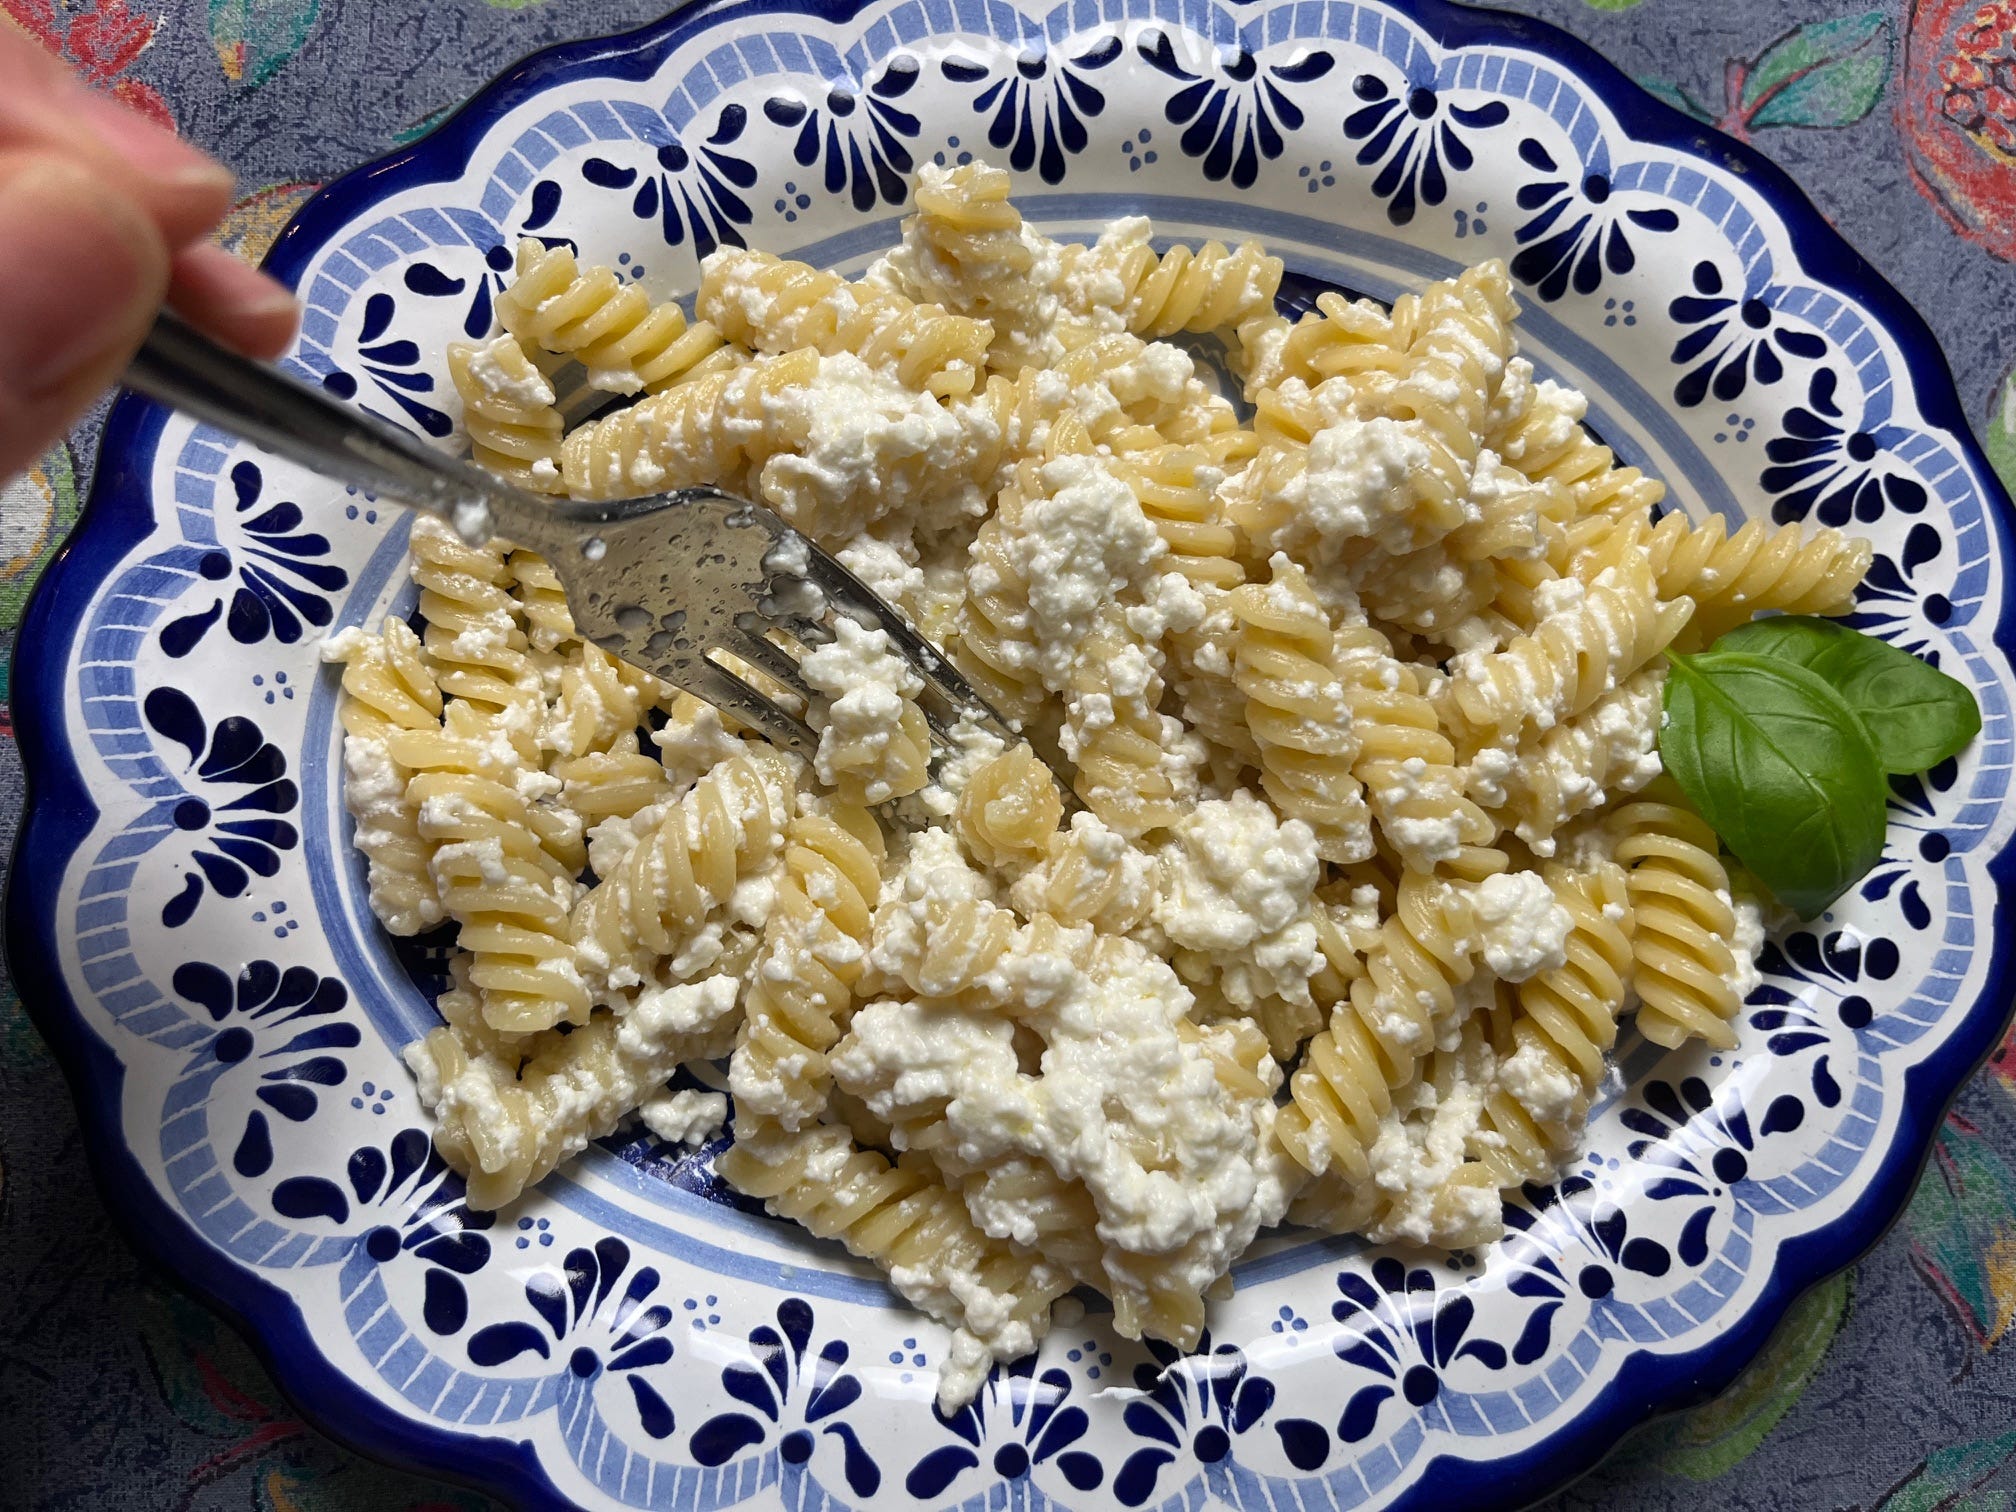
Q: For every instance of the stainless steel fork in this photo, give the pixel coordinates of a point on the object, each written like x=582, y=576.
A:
x=666, y=583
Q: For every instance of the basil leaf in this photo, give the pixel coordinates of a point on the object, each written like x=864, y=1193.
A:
x=1781, y=769
x=1915, y=714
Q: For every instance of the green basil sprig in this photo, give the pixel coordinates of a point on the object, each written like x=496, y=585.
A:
x=1781, y=735
x=1915, y=714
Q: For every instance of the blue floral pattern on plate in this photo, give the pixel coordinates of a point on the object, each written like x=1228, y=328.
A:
x=629, y=1336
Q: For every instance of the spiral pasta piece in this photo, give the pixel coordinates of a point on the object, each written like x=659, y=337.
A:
x=1404, y=761
x=967, y=249
x=600, y=701
x=627, y=343
x=507, y=409
x=1341, y=338
x=1161, y=295
x=1462, y=340
x=682, y=871
x=899, y=1215
x=388, y=686
x=1608, y=749
x=1130, y=767
x=771, y=305
x=1009, y=811
x=509, y=896
x=505, y=1126
x=1552, y=1048
x=995, y=648
x=1732, y=578
x=1685, y=924
x=1420, y=416
x=542, y=603
x=1299, y=712
x=1090, y=876
x=474, y=636
x=803, y=987
x=1174, y=485
x=1430, y=593
x=1567, y=663
x=612, y=784
x=1024, y=1201
x=710, y=429
x=1540, y=432
x=1379, y=1034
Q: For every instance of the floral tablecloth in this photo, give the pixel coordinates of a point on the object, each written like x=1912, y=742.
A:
x=1892, y=1386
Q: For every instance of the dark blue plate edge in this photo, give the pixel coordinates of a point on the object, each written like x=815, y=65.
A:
x=1648, y=1384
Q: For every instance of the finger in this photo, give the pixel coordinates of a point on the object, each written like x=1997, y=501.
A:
x=43, y=107
x=233, y=301
x=82, y=271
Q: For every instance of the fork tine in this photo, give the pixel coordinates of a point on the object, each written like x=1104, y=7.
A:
x=808, y=632
x=725, y=690
x=771, y=658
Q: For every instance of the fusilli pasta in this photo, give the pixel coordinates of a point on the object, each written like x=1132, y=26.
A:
x=1357, y=702
x=626, y=342
x=1685, y=924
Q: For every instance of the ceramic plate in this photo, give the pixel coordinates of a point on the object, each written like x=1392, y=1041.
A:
x=188, y=920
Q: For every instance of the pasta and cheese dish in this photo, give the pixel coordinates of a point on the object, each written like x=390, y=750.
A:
x=1357, y=674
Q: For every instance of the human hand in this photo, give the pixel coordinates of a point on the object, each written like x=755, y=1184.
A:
x=102, y=220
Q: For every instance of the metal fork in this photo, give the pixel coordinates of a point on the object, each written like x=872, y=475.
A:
x=666, y=583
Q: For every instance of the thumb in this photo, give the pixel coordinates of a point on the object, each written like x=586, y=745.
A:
x=82, y=271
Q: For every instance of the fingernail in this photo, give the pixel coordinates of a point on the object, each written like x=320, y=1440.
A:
x=153, y=151
x=77, y=266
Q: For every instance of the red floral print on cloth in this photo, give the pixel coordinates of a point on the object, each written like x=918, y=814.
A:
x=1957, y=115
x=101, y=43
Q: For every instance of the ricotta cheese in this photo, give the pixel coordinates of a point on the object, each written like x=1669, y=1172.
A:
x=861, y=731
x=1521, y=928
x=1080, y=545
x=868, y=447
x=1238, y=887
x=685, y=1117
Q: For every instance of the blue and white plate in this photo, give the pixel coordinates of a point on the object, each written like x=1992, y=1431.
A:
x=189, y=923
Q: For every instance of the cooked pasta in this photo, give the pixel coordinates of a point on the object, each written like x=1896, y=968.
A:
x=1732, y=577
x=509, y=895
x=475, y=636
x=708, y=430
x=1605, y=751
x=1128, y=755
x=680, y=871
x=1685, y=924
x=1376, y=1037
x=901, y=1216
x=1337, y=764
x=1008, y=811
x=966, y=249
x=506, y=1129
x=388, y=685
x=803, y=986
x=1160, y=295
x=1298, y=711
x=508, y=412
x=1568, y=661
x=1405, y=762
x=772, y=305
x=625, y=341
x=1551, y=1047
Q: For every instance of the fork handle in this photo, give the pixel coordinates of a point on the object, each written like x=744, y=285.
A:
x=181, y=367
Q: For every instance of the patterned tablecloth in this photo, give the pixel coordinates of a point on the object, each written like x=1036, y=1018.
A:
x=1891, y=1386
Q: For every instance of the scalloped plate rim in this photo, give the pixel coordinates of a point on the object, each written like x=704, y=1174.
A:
x=58, y=812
